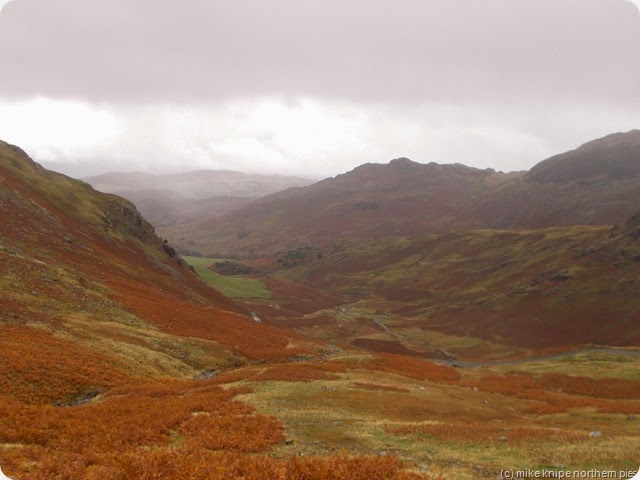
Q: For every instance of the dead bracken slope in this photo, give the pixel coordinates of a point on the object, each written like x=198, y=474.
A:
x=528, y=289
x=105, y=334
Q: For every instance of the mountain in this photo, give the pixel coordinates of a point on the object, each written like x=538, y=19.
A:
x=191, y=196
x=401, y=198
x=614, y=156
x=596, y=184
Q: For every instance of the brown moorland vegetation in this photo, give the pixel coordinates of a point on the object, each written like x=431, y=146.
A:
x=558, y=393
x=521, y=289
x=413, y=368
x=174, y=430
x=56, y=370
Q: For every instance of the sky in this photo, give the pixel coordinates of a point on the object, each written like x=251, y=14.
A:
x=313, y=87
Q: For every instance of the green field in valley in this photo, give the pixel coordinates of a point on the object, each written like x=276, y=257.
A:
x=234, y=287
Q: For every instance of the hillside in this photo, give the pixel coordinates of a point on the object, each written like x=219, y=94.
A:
x=614, y=156
x=473, y=294
x=69, y=242
x=167, y=199
x=401, y=198
x=94, y=305
x=596, y=184
x=593, y=185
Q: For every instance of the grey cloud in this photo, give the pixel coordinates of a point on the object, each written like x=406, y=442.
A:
x=448, y=51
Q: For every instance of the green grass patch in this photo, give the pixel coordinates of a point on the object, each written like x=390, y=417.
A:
x=203, y=262
x=233, y=287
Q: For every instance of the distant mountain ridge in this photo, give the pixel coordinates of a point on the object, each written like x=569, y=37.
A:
x=166, y=199
x=199, y=183
x=596, y=184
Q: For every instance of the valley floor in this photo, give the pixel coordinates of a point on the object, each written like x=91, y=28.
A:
x=451, y=407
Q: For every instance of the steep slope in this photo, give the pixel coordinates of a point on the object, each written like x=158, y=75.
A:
x=87, y=266
x=191, y=196
x=597, y=184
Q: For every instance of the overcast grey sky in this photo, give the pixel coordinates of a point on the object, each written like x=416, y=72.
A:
x=313, y=87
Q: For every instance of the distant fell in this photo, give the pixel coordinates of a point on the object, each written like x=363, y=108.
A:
x=198, y=184
x=167, y=199
x=375, y=200
x=596, y=184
